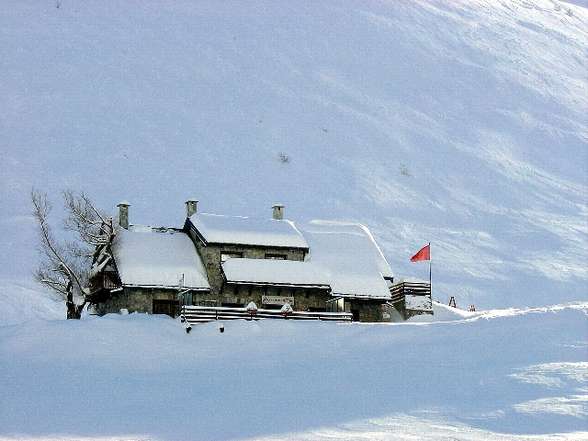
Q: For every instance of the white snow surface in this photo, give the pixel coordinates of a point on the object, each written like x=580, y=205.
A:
x=140, y=377
x=462, y=123
x=350, y=258
x=27, y=302
x=418, y=303
x=410, y=280
x=281, y=272
x=444, y=313
x=146, y=257
x=216, y=228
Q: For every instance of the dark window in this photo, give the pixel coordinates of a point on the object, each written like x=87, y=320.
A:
x=275, y=256
x=233, y=305
x=226, y=255
x=355, y=313
x=168, y=307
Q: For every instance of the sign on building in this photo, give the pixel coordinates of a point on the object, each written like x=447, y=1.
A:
x=277, y=300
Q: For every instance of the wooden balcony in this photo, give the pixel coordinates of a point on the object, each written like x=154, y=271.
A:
x=412, y=297
x=105, y=281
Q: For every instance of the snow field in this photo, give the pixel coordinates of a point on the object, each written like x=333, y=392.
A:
x=518, y=374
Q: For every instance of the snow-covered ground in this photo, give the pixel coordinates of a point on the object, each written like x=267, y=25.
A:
x=460, y=122
x=517, y=374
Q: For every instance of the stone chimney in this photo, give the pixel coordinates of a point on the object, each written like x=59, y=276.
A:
x=278, y=213
x=123, y=214
x=191, y=207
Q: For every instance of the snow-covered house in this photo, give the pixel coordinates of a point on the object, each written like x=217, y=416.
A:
x=230, y=261
x=146, y=269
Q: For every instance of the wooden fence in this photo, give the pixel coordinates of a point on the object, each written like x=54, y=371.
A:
x=203, y=314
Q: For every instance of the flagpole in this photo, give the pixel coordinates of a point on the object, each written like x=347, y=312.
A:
x=430, y=279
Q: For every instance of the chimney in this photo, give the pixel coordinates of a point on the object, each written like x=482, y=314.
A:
x=191, y=207
x=278, y=212
x=123, y=214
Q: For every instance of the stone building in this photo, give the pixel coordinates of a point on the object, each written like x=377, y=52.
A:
x=229, y=261
x=144, y=269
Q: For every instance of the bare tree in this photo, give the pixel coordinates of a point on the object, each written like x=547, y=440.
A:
x=65, y=265
x=92, y=227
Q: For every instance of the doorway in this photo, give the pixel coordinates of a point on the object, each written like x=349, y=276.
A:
x=168, y=307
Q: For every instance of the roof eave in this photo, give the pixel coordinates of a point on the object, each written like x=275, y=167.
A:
x=281, y=285
x=285, y=247
x=176, y=287
x=361, y=297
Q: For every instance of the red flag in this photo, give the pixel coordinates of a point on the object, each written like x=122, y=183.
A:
x=423, y=254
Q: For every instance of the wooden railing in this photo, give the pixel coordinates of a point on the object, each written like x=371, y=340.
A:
x=412, y=298
x=203, y=314
x=400, y=290
x=106, y=280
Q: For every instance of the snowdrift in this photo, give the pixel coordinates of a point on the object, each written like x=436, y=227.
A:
x=499, y=375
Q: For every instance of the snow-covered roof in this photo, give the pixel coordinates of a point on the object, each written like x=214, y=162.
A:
x=157, y=258
x=411, y=280
x=216, y=228
x=275, y=272
x=349, y=256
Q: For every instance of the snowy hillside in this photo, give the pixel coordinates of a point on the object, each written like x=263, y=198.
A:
x=460, y=123
x=139, y=377
x=26, y=302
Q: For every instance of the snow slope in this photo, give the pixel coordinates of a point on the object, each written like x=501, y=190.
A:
x=462, y=123
x=27, y=302
x=519, y=374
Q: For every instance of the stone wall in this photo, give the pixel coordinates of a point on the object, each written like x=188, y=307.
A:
x=305, y=299
x=240, y=295
x=366, y=310
x=135, y=300
x=211, y=258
